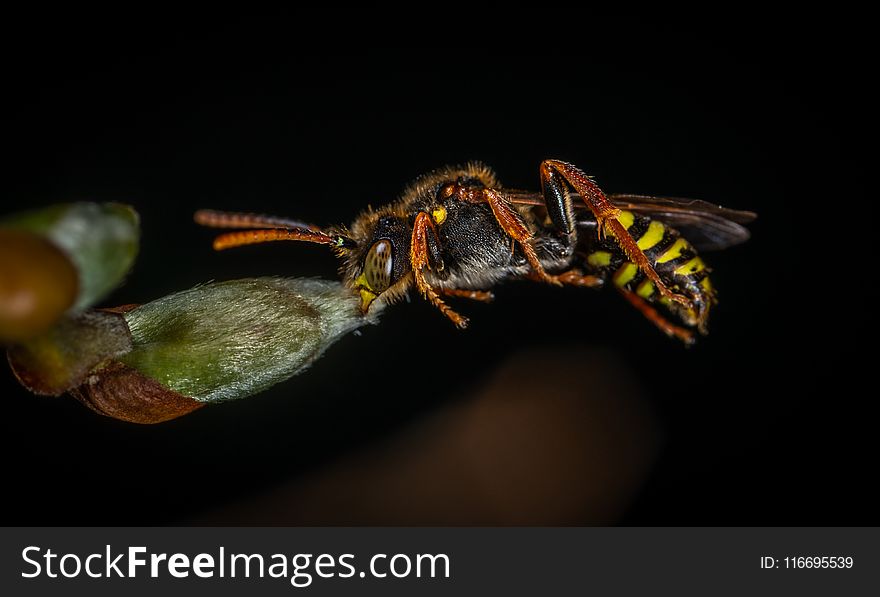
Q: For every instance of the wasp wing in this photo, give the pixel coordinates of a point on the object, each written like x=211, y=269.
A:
x=705, y=225
x=649, y=204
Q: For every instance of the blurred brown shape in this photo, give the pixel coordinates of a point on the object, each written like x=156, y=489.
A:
x=60, y=359
x=38, y=283
x=121, y=392
x=554, y=437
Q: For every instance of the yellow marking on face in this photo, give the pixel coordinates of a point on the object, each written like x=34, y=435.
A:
x=691, y=267
x=707, y=285
x=361, y=282
x=673, y=252
x=626, y=219
x=599, y=259
x=367, y=299
x=645, y=289
x=366, y=293
x=652, y=236
x=625, y=273
x=439, y=215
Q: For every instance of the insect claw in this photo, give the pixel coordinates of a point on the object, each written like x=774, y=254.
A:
x=600, y=228
x=687, y=338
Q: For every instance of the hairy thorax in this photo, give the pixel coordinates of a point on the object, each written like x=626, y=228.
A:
x=477, y=253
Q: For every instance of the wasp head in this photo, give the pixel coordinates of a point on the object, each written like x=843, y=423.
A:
x=379, y=262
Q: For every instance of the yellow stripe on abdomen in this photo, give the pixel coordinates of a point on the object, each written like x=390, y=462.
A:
x=673, y=252
x=625, y=273
x=645, y=289
x=652, y=236
x=691, y=267
x=599, y=259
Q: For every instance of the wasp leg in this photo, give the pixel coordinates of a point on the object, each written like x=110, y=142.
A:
x=575, y=277
x=484, y=296
x=665, y=326
x=419, y=258
x=553, y=172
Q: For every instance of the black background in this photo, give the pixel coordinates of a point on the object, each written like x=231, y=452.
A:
x=761, y=422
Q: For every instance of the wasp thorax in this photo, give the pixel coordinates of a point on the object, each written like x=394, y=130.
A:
x=378, y=266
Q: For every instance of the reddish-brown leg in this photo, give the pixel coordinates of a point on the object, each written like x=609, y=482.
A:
x=665, y=326
x=418, y=255
x=574, y=277
x=606, y=216
x=484, y=296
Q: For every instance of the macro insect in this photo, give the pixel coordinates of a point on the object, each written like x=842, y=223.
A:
x=456, y=232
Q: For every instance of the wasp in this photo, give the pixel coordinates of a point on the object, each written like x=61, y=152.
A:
x=457, y=232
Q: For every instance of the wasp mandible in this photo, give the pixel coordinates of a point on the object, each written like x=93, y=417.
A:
x=456, y=232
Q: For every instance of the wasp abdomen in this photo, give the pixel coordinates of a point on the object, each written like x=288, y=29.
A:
x=674, y=259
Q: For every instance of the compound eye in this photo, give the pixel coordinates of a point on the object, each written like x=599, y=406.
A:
x=378, y=266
